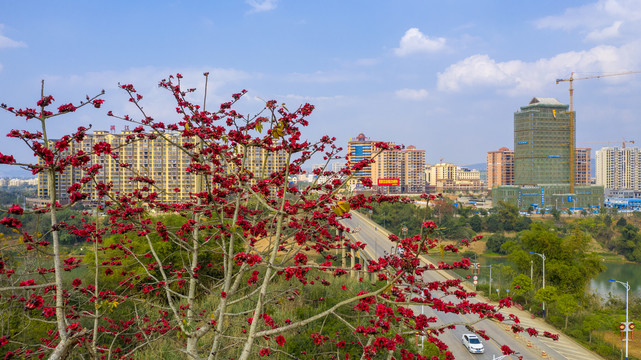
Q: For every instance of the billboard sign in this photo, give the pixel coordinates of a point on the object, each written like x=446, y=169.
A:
x=389, y=182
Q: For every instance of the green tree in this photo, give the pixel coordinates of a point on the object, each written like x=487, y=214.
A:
x=548, y=295
x=522, y=285
x=569, y=263
x=494, y=243
x=592, y=322
x=504, y=274
x=493, y=224
x=509, y=214
x=567, y=305
x=476, y=223
x=522, y=223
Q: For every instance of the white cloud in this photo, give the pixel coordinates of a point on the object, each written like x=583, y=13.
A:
x=599, y=20
x=609, y=32
x=411, y=94
x=476, y=70
x=519, y=77
x=5, y=42
x=416, y=42
x=260, y=6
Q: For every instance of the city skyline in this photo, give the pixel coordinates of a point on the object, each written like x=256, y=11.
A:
x=443, y=77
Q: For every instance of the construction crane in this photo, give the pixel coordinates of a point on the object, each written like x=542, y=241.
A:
x=572, y=130
x=623, y=142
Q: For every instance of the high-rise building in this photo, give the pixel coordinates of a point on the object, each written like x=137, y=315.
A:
x=619, y=168
x=358, y=149
x=387, y=165
x=583, y=165
x=543, y=143
x=413, y=165
x=156, y=159
x=405, y=165
x=500, y=167
x=545, y=158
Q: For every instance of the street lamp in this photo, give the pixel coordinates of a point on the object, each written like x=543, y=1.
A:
x=627, y=324
x=542, y=257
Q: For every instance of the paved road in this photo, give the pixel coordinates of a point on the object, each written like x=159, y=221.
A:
x=376, y=239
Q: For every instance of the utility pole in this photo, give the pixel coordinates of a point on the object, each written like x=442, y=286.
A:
x=542, y=257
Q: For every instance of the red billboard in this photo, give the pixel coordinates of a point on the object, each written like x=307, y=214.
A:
x=389, y=182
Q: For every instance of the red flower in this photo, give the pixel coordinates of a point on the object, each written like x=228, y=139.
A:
x=97, y=103
x=7, y=159
x=506, y=350
x=280, y=340
x=66, y=108
x=45, y=101
x=11, y=222
x=264, y=352
x=429, y=224
x=15, y=209
x=223, y=294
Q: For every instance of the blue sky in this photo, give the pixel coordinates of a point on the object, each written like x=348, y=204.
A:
x=444, y=76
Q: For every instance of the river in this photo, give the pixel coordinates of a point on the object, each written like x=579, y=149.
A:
x=624, y=272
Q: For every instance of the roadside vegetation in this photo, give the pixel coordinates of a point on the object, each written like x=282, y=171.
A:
x=575, y=248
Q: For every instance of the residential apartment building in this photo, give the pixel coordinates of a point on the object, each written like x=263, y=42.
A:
x=358, y=149
x=500, y=167
x=405, y=165
x=449, y=177
x=157, y=159
x=619, y=168
x=583, y=166
x=413, y=166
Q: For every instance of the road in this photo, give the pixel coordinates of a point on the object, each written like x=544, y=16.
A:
x=377, y=244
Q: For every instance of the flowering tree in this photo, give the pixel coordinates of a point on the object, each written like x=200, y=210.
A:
x=222, y=269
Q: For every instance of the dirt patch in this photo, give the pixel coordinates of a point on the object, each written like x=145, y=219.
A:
x=634, y=347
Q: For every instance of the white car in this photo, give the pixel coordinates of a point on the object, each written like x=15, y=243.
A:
x=473, y=343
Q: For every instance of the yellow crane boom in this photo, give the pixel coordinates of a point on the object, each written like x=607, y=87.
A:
x=572, y=129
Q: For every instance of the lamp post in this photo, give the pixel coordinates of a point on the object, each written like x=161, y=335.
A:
x=489, y=289
x=542, y=257
x=627, y=324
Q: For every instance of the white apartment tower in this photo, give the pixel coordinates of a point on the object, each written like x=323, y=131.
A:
x=619, y=168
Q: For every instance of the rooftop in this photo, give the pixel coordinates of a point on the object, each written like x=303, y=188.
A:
x=544, y=101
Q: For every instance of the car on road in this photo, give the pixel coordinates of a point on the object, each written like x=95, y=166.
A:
x=472, y=343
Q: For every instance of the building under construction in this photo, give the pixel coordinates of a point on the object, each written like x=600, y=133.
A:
x=542, y=139
x=545, y=161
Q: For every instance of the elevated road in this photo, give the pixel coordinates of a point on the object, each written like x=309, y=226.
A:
x=528, y=347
